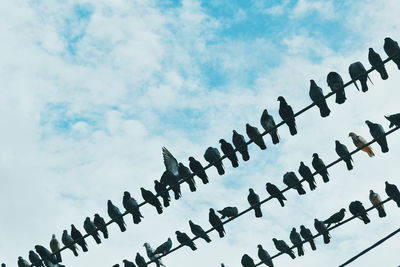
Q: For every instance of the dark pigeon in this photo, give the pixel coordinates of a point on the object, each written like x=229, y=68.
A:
x=307, y=235
x=378, y=133
x=306, y=173
x=295, y=238
x=55, y=247
x=90, y=228
x=393, y=192
x=198, y=169
x=197, y=230
x=392, y=49
x=153, y=257
x=357, y=71
x=115, y=214
x=164, y=248
x=228, y=212
x=185, y=240
x=317, y=96
x=268, y=123
x=128, y=263
x=344, y=154
x=283, y=247
x=45, y=254
x=140, y=261
x=229, y=151
x=376, y=61
x=264, y=256
x=130, y=204
x=254, y=134
x=150, y=198
x=101, y=224
x=254, y=201
x=247, y=261
x=274, y=191
x=35, y=259
x=320, y=167
x=78, y=238
x=286, y=113
x=213, y=157
x=171, y=180
x=68, y=241
x=290, y=179
x=376, y=201
x=187, y=176
x=335, y=218
x=394, y=120
x=322, y=229
x=161, y=190
x=216, y=222
x=240, y=144
x=357, y=209
x=335, y=82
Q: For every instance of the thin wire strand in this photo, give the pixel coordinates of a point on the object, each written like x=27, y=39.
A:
x=234, y=151
x=269, y=198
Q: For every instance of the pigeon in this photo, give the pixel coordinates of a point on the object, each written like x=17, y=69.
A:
x=45, y=254
x=68, y=241
x=322, y=229
x=228, y=212
x=320, y=167
x=357, y=209
x=376, y=200
x=290, y=179
x=394, y=120
x=376, y=61
x=229, y=151
x=357, y=71
x=78, y=238
x=393, y=192
x=247, y=261
x=172, y=180
x=264, y=256
x=185, y=240
x=240, y=144
x=161, y=190
x=164, y=248
x=170, y=162
x=216, y=222
x=254, y=134
x=187, y=176
x=344, y=154
x=274, y=191
x=317, y=96
x=35, y=259
x=392, y=49
x=268, y=123
x=198, y=169
x=140, y=261
x=90, y=228
x=22, y=262
x=307, y=235
x=198, y=231
x=359, y=141
x=283, y=247
x=116, y=215
x=286, y=113
x=101, y=224
x=214, y=158
x=131, y=205
x=128, y=263
x=335, y=218
x=150, y=198
x=153, y=257
x=306, y=173
x=378, y=133
x=335, y=82
x=295, y=238
x=55, y=247
x=254, y=201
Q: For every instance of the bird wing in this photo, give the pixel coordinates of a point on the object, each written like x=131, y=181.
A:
x=170, y=162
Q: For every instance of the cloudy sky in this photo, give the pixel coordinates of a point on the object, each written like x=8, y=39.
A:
x=91, y=90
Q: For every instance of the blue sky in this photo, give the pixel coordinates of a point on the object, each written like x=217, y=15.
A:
x=91, y=91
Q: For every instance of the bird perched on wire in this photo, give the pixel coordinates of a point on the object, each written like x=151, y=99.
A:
x=228, y=212
x=306, y=173
x=161, y=190
x=46, y=255
x=295, y=238
x=378, y=133
x=287, y=114
x=115, y=214
x=268, y=123
x=247, y=261
x=290, y=179
x=335, y=218
x=68, y=241
x=335, y=82
x=128, y=263
x=317, y=96
x=171, y=175
x=322, y=229
x=254, y=134
x=320, y=167
x=35, y=259
x=101, y=224
x=394, y=120
x=213, y=157
x=357, y=209
x=216, y=222
x=186, y=175
x=393, y=192
x=264, y=256
x=283, y=247
x=307, y=235
x=254, y=201
x=164, y=248
x=130, y=204
x=359, y=142
x=140, y=261
x=150, y=198
x=197, y=230
x=152, y=256
x=171, y=180
x=376, y=61
x=55, y=247
x=376, y=200
x=198, y=169
x=90, y=228
x=78, y=238
x=274, y=191
x=229, y=151
x=344, y=154
x=357, y=71
x=240, y=144
x=185, y=240
x=392, y=49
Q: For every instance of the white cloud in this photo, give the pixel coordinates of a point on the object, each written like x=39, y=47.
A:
x=325, y=9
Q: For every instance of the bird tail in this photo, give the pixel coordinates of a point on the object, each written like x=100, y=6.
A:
x=281, y=202
x=207, y=238
x=258, y=212
x=300, y=250
x=122, y=227
x=192, y=187
x=84, y=248
x=204, y=178
x=75, y=252
x=221, y=232
x=105, y=233
x=365, y=218
x=177, y=193
x=261, y=143
x=291, y=254
x=292, y=129
x=165, y=201
x=300, y=190
x=327, y=238
x=312, y=185
x=324, y=110
x=58, y=257
x=193, y=246
x=220, y=168
x=369, y=151
x=96, y=238
x=235, y=163
x=349, y=165
x=245, y=155
x=364, y=86
x=159, y=209
x=340, y=97
x=383, y=73
x=325, y=177
x=381, y=212
x=312, y=244
x=384, y=148
x=275, y=138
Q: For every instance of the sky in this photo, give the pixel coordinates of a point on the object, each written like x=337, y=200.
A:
x=92, y=90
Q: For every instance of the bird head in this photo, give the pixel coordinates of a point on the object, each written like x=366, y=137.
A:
x=109, y=202
x=274, y=240
x=280, y=98
x=370, y=49
x=259, y=246
x=212, y=210
x=177, y=232
x=221, y=141
x=265, y=112
x=312, y=82
x=251, y=190
x=293, y=229
x=146, y=245
x=351, y=134
x=54, y=236
x=190, y=222
x=337, y=142
x=368, y=122
x=343, y=210
x=302, y=227
x=315, y=155
x=126, y=193
x=191, y=159
x=371, y=191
